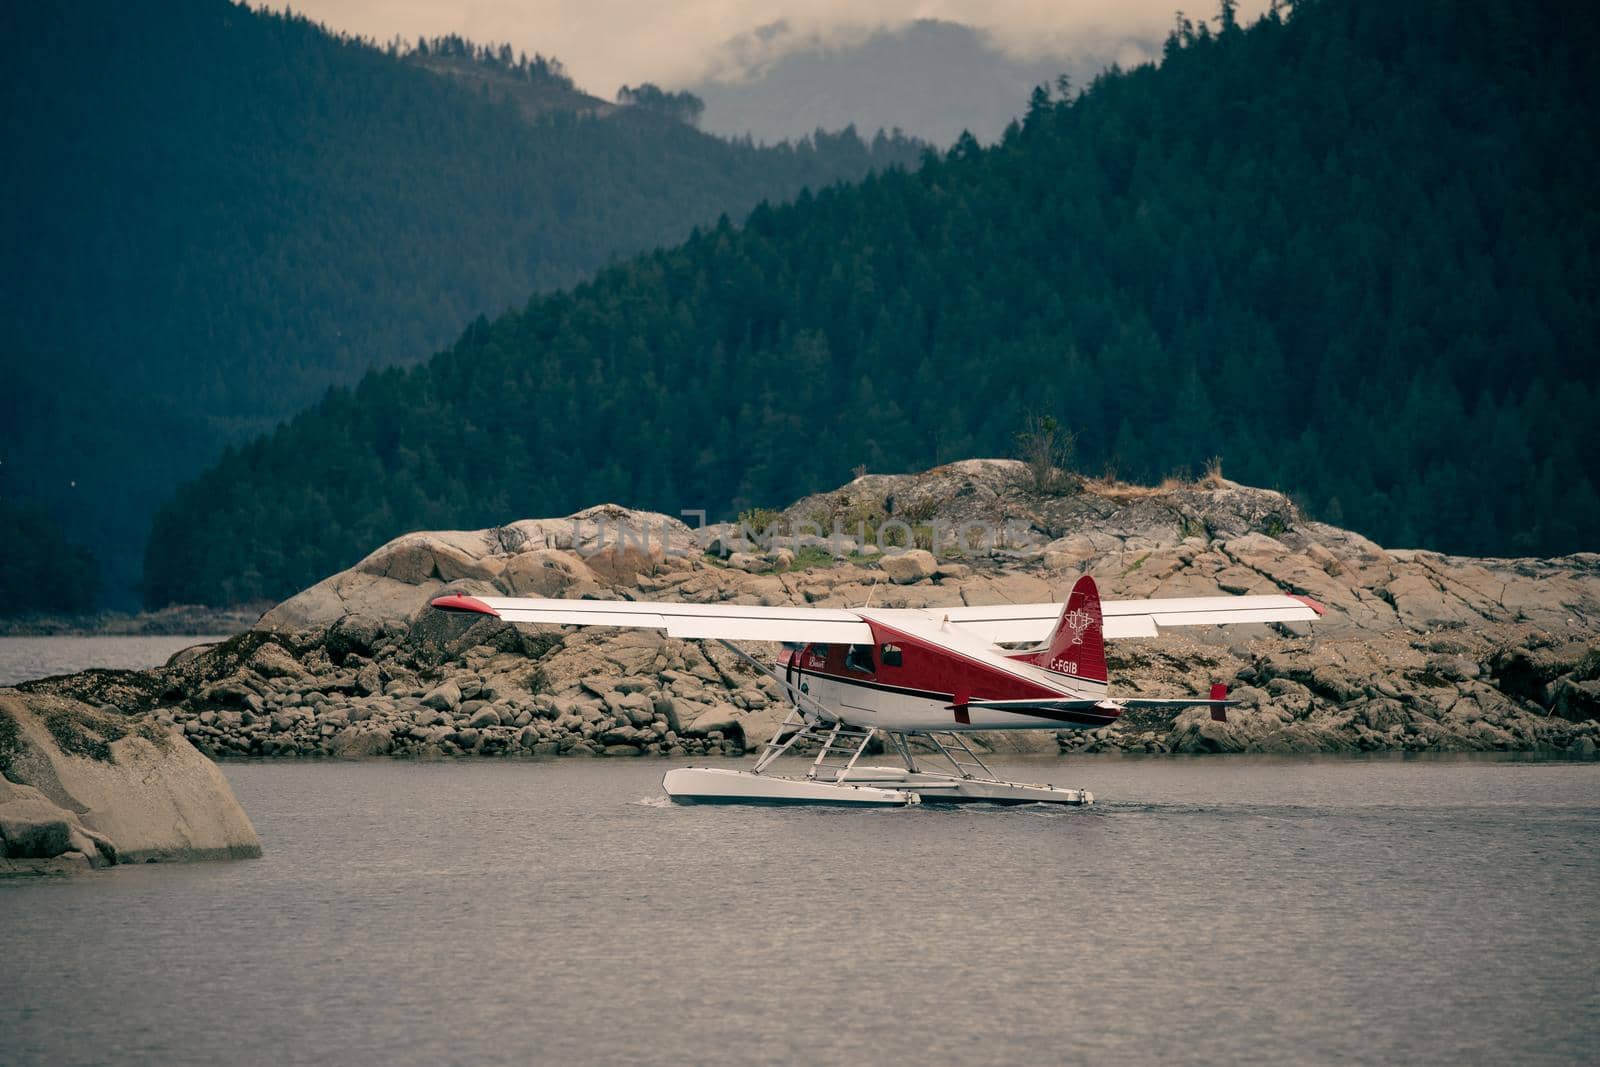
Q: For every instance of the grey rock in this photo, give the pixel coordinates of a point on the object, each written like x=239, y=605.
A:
x=1573, y=700
x=33, y=828
x=913, y=565
x=362, y=743
x=667, y=708
x=153, y=798
x=485, y=716
x=446, y=697
x=354, y=633
x=636, y=708
x=368, y=680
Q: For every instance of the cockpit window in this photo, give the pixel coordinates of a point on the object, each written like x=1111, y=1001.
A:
x=889, y=655
x=859, y=658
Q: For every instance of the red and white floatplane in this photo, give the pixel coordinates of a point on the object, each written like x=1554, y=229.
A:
x=929, y=673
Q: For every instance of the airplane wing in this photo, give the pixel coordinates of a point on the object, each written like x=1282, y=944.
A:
x=732, y=622
x=1032, y=623
x=1000, y=624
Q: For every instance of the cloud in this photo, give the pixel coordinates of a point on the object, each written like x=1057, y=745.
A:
x=605, y=43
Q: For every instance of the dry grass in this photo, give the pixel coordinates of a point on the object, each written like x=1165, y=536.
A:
x=1112, y=488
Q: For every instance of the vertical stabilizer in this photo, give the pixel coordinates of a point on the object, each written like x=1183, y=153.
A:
x=1078, y=647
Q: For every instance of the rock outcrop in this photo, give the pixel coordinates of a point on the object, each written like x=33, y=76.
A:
x=82, y=787
x=1418, y=651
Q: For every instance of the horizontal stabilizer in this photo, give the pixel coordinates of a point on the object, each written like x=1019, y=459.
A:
x=1105, y=704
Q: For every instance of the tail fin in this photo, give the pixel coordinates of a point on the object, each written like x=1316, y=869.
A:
x=1078, y=648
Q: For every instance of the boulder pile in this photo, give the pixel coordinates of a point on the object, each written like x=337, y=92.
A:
x=1418, y=651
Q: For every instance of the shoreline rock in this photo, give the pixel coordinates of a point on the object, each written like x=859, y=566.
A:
x=1418, y=652
x=82, y=788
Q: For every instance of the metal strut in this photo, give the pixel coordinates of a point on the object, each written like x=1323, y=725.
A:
x=797, y=696
x=809, y=717
x=953, y=748
x=844, y=743
x=903, y=750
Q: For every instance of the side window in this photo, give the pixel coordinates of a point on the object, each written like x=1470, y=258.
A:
x=889, y=655
x=859, y=658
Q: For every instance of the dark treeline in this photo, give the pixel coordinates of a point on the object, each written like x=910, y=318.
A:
x=210, y=214
x=1350, y=251
x=497, y=57
x=680, y=106
x=44, y=573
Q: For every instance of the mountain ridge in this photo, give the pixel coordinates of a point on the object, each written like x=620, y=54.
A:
x=212, y=214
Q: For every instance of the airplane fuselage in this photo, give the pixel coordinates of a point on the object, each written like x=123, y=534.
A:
x=907, y=681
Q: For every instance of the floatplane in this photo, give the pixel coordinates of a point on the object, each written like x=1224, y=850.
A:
x=933, y=674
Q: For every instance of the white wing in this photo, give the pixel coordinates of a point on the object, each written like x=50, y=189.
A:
x=732, y=622
x=999, y=624
x=1032, y=623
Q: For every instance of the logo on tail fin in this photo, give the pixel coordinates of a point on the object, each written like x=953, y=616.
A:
x=1077, y=622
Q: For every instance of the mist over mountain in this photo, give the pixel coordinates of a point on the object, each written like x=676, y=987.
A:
x=210, y=214
x=1353, y=251
x=930, y=78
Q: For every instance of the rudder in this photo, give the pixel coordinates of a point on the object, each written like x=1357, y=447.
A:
x=1077, y=648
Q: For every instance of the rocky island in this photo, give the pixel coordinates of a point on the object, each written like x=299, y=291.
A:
x=1417, y=652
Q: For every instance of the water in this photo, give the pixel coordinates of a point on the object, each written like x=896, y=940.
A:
x=25, y=658
x=1250, y=910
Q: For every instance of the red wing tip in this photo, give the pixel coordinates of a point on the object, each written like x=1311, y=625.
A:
x=462, y=603
x=1312, y=604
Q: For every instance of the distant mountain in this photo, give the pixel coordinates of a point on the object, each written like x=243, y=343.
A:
x=1352, y=251
x=210, y=214
x=929, y=78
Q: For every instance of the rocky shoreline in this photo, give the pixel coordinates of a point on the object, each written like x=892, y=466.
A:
x=175, y=621
x=1419, y=652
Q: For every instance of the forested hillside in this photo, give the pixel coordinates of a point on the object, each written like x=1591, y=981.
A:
x=43, y=573
x=209, y=214
x=1350, y=251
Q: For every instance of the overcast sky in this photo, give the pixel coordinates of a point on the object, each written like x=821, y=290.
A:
x=605, y=43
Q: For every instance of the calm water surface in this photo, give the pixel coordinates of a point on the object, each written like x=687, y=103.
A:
x=25, y=658
x=1210, y=910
